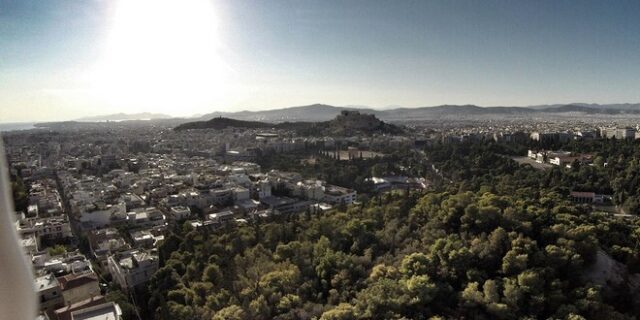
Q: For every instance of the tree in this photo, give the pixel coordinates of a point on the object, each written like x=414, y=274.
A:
x=471, y=295
x=57, y=250
x=343, y=311
x=511, y=246
x=20, y=194
x=128, y=310
x=421, y=289
x=415, y=264
x=232, y=312
x=212, y=274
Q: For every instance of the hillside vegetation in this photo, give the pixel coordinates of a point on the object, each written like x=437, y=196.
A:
x=496, y=243
x=346, y=123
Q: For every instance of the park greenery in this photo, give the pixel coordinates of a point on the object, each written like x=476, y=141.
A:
x=490, y=240
x=20, y=193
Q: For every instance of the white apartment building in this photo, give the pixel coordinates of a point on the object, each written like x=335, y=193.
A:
x=46, y=228
x=337, y=195
x=146, y=218
x=133, y=268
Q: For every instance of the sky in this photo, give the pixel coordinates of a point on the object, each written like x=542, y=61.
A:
x=65, y=59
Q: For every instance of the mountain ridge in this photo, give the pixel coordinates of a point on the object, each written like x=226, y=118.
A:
x=323, y=112
x=126, y=116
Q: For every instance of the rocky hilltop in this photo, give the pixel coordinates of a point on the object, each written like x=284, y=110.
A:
x=346, y=123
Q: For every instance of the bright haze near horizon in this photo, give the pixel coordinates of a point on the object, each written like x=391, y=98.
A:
x=65, y=59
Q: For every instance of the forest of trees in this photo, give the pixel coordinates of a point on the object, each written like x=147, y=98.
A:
x=349, y=174
x=493, y=240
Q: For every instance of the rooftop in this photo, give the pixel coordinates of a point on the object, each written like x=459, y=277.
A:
x=71, y=281
x=277, y=201
x=335, y=190
x=580, y=194
x=131, y=261
x=105, y=311
x=64, y=313
x=46, y=282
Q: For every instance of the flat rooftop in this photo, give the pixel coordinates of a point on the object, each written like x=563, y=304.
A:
x=45, y=282
x=105, y=311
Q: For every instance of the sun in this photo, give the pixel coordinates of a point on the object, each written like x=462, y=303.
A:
x=162, y=56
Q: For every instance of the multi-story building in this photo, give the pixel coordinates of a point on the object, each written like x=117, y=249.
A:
x=64, y=313
x=49, y=293
x=103, y=215
x=221, y=216
x=179, y=213
x=78, y=287
x=618, y=133
x=285, y=205
x=220, y=196
x=147, y=238
x=49, y=229
x=339, y=195
x=104, y=243
x=146, y=218
x=626, y=133
x=133, y=268
x=240, y=194
x=70, y=262
x=586, y=197
x=109, y=310
x=132, y=201
x=309, y=189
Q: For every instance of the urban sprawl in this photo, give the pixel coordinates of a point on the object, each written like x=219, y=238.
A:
x=101, y=198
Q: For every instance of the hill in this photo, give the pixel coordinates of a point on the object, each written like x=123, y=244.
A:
x=346, y=123
x=220, y=123
x=314, y=112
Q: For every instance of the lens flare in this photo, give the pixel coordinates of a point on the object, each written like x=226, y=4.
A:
x=162, y=55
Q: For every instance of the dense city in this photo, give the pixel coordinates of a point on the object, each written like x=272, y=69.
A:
x=100, y=207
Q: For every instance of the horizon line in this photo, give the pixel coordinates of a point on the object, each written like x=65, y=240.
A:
x=352, y=106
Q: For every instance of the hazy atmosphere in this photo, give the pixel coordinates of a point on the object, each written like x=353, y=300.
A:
x=67, y=59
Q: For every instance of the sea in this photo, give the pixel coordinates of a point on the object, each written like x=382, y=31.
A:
x=14, y=126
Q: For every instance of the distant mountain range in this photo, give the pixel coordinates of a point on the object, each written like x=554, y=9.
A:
x=125, y=116
x=322, y=112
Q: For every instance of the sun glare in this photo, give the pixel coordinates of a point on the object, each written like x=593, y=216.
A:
x=162, y=56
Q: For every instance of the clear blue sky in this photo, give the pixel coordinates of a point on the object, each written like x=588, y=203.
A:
x=57, y=57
